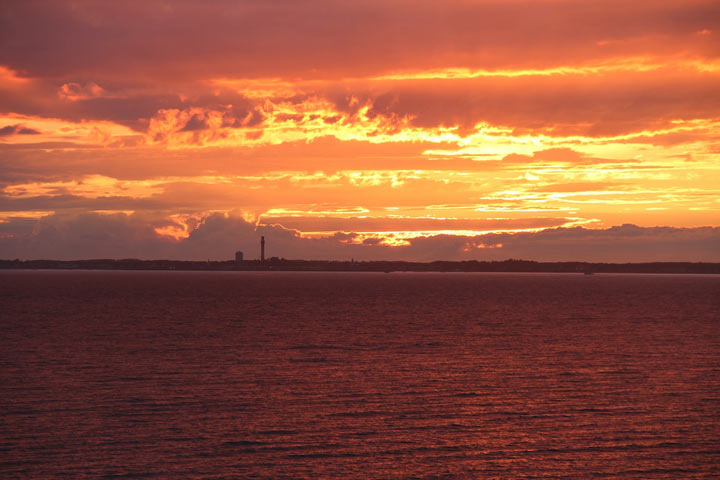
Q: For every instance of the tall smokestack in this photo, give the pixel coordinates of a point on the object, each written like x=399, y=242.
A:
x=262, y=248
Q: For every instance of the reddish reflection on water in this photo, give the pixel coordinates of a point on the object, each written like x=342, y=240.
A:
x=300, y=375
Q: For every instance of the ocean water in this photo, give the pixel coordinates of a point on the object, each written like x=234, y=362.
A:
x=269, y=375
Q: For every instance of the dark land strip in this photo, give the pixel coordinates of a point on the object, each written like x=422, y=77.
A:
x=281, y=264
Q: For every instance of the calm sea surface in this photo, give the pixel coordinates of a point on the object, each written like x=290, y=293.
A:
x=358, y=376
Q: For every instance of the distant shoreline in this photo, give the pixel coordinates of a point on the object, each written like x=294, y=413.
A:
x=283, y=265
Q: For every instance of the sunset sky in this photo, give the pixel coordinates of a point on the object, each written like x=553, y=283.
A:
x=376, y=129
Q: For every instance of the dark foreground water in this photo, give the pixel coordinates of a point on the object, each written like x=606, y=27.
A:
x=358, y=376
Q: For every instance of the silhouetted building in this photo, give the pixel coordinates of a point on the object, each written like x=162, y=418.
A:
x=262, y=249
x=238, y=256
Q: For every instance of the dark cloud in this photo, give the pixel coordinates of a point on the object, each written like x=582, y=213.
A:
x=87, y=235
x=196, y=123
x=9, y=130
x=92, y=235
x=17, y=130
x=372, y=241
x=238, y=116
x=63, y=201
x=132, y=111
x=130, y=103
x=219, y=38
x=17, y=226
x=591, y=105
x=625, y=243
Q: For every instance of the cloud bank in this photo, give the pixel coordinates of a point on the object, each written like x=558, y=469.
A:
x=218, y=236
